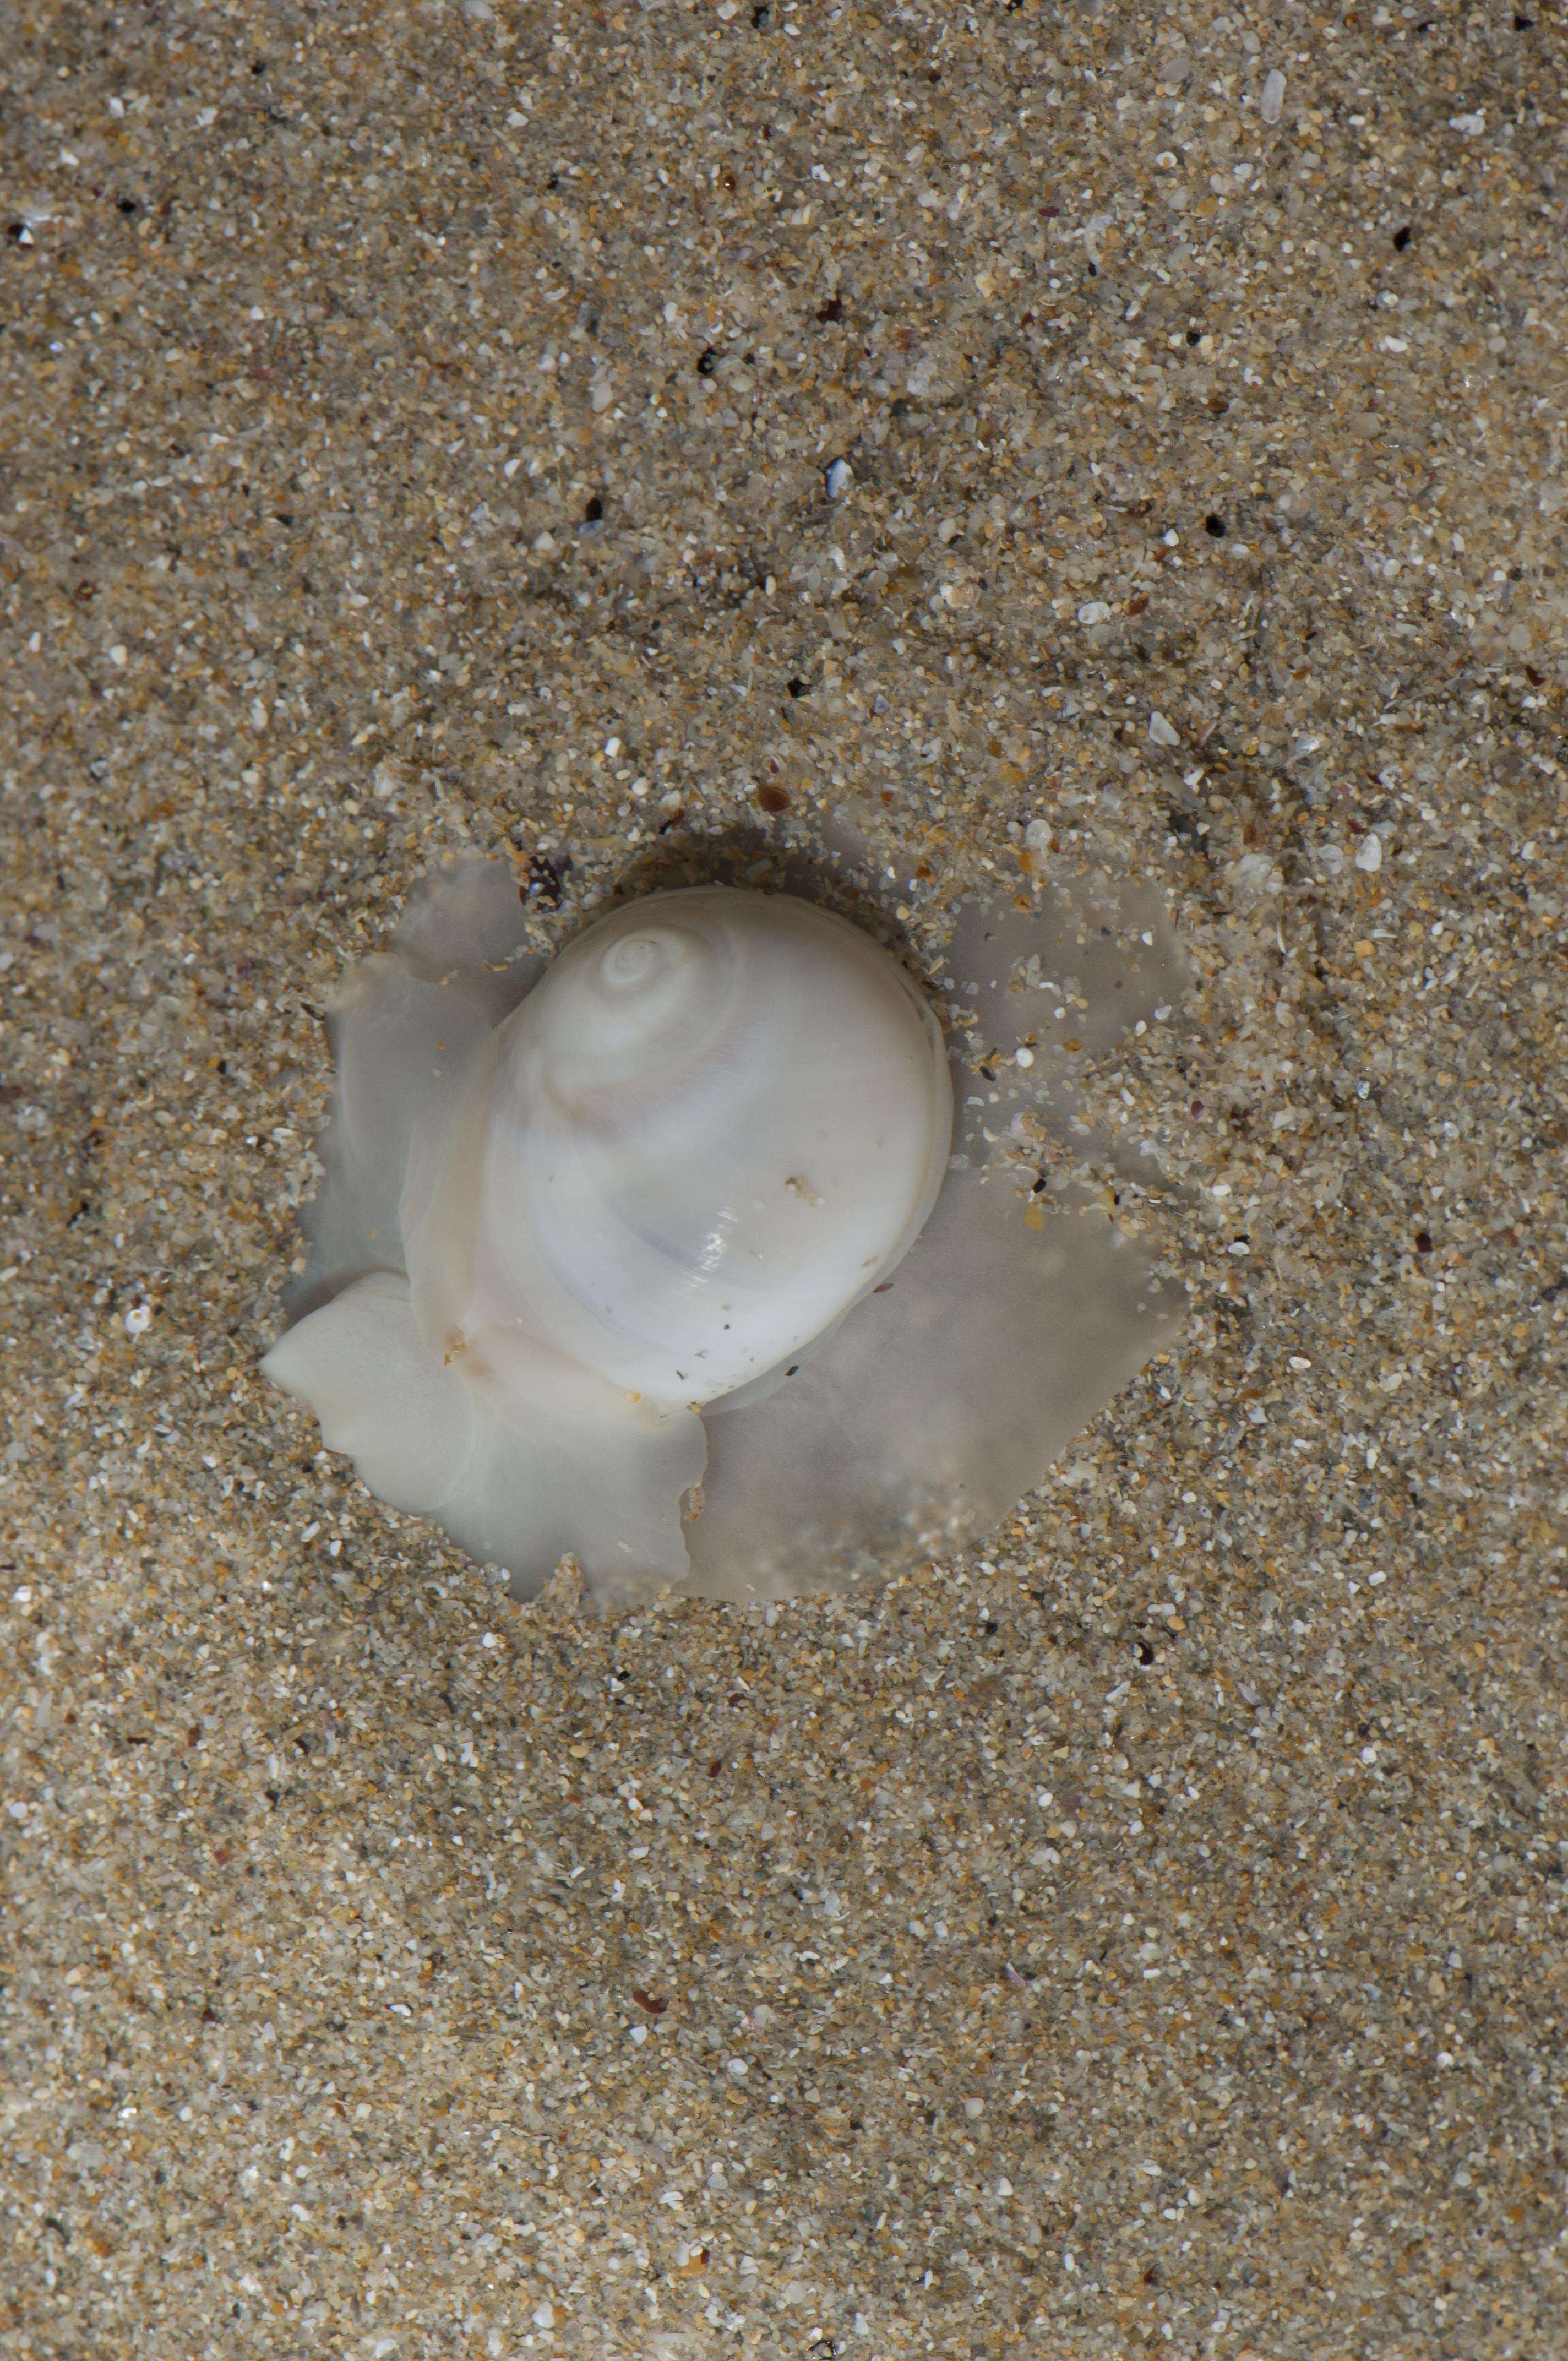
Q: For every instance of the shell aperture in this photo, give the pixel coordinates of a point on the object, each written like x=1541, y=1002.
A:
x=680, y=1212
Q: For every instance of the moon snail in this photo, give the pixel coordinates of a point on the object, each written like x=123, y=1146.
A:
x=670, y=1255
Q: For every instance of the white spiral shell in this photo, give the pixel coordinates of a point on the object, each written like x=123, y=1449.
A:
x=716, y=1124
x=701, y=1165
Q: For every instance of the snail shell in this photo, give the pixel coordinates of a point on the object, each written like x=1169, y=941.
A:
x=681, y=1211
x=718, y=1123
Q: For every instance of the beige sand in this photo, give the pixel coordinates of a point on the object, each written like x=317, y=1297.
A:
x=1145, y=1938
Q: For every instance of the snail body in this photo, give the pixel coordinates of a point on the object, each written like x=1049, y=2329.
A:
x=661, y=1255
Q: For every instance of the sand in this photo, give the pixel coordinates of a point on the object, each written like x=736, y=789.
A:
x=530, y=432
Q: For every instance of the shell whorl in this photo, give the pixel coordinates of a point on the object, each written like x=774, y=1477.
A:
x=622, y=1010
